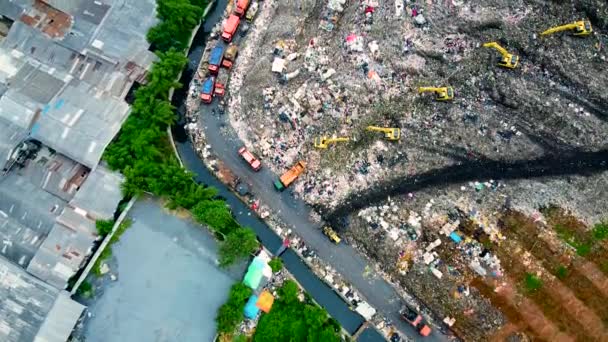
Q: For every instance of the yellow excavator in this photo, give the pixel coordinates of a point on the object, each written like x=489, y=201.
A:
x=324, y=142
x=443, y=93
x=390, y=133
x=507, y=59
x=581, y=28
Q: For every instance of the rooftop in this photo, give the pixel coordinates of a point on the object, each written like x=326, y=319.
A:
x=31, y=310
x=100, y=194
x=12, y=135
x=80, y=123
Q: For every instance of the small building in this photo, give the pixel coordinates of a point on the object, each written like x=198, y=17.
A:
x=251, y=310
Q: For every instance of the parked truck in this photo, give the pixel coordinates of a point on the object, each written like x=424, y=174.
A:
x=288, y=177
x=210, y=88
x=252, y=11
x=414, y=318
x=230, y=56
x=241, y=7
x=230, y=27
x=215, y=57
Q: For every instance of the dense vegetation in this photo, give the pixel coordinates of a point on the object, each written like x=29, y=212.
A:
x=230, y=314
x=293, y=320
x=142, y=151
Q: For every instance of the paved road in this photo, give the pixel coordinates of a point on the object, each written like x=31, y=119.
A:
x=345, y=259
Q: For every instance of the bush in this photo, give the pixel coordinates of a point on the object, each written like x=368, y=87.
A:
x=561, y=272
x=298, y=320
x=532, y=283
x=104, y=227
x=600, y=231
x=86, y=290
x=276, y=264
x=231, y=313
x=239, y=243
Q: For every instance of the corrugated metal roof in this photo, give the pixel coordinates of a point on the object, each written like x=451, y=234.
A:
x=24, y=303
x=60, y=321
x=61, y=255
x=79, y=124
x=13, y=8
x=100, y=194
x=11, y=136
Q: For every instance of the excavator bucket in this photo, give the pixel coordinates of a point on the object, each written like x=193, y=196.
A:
x=320, y=142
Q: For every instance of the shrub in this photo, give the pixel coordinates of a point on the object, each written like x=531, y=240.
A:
x=276, y=264
x=532, y=283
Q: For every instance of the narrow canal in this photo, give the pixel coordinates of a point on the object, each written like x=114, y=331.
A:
x=321, y=292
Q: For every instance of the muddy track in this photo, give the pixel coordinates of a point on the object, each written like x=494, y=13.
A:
x=569, y=163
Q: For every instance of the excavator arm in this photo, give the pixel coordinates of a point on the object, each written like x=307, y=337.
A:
x=428, y=89
x=581, y=28
x=390, y=133
x=494, y=45
x=324, y=142
x=508, y=60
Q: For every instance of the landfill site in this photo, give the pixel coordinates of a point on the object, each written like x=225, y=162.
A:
x=460, y=145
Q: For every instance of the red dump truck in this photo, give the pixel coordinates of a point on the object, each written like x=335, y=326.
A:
x=230, y=56
x=241, y=7
x=209, y=88
x=290, y=176
x=215, y=57
x=250, y=159
x=414, y=318
x=230, y=27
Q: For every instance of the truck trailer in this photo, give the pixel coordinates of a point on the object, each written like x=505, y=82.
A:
x=241, y=7
x=230, y=27
x=290, y=176
x=215, y=57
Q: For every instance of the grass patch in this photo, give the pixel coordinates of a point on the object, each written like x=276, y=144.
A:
x=106, y=254
x=276, y=264
x=561, y=272
x=532, y=283
x=122, y=228
x=600, y=231
x=86, y=290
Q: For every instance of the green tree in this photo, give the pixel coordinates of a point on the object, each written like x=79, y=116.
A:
x=292, y=320
x=231, y=313
x=276, y=264
x=215, y=214
x=239, y=243
x=104, y=227
x=289, y=291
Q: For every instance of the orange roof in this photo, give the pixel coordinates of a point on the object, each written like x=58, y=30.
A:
x=265, y=301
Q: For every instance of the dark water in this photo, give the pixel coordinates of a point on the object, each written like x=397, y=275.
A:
x=322, y=293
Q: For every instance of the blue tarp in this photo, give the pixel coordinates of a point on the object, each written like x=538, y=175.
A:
x=251, y=310
x=455, y=237
x=215, y=58
x=207, y=87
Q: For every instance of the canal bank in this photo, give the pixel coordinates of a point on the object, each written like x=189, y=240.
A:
x=321, y=292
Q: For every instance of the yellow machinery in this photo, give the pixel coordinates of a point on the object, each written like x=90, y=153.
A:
x=389, y=132
x=324, y=142
x=331, y=234
x=443, y=93
x=507, y=60
x=581, y=28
